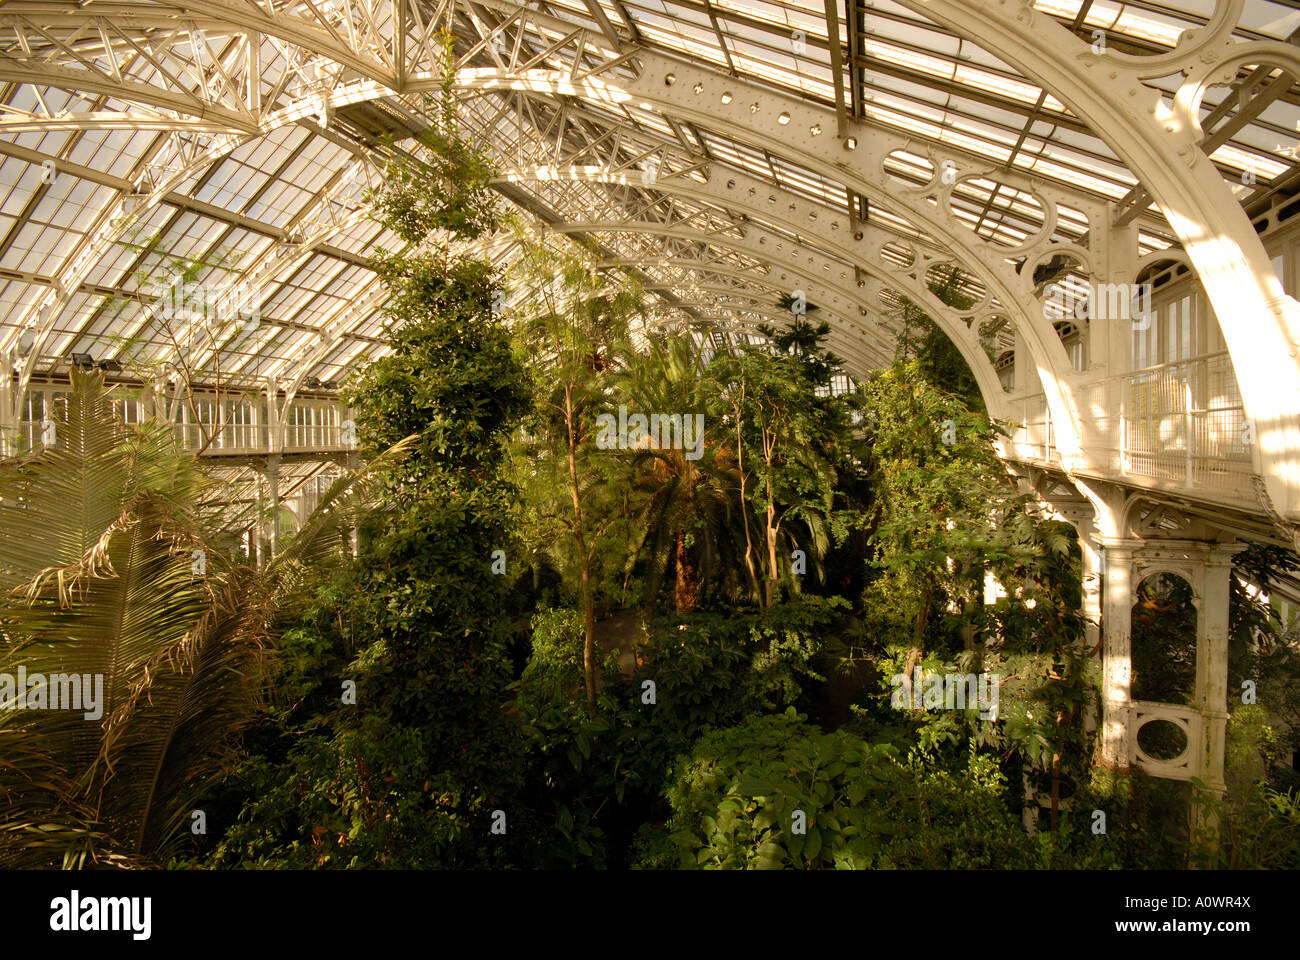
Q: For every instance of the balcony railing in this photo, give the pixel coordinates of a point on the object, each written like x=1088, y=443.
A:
x=212, y=426
x=1178, y=423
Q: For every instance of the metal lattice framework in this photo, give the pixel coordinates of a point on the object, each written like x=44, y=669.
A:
x=725, y=152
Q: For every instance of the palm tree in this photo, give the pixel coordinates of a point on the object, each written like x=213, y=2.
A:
x=110, y=569
x=685, y=503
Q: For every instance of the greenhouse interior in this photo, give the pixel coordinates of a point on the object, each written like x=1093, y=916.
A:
x=649, y=435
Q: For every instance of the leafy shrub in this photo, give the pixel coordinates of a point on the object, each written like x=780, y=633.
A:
x=653, y=849
x=1145, y=826
x=575, y=770
x=1260, y=832
x=370, y=797
x=554, y=674
x=736, y=797
x=712, y=669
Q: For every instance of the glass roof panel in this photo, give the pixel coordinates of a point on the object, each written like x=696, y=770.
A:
x=903, y=72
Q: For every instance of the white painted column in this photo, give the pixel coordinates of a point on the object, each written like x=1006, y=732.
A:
x=1212, y=661
x=258, y=527
x=1091, y=575
x=1092, y=580
x=273, y=489
x=156, y=397
x=272, y=419
x=1117, y=666
x=8, y=407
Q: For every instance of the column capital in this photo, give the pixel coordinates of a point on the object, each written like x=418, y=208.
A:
x=1221, y=554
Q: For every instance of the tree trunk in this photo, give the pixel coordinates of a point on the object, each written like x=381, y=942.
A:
x=923, y=615
x=968, y=629
x=773, y=572
x=589, y=639
x=687, y=592
x=913, y=658
x=584, y=560
x=1063, y=721
x=744, y=514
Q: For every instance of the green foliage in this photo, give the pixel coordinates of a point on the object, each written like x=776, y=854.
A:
x=938, y=489
x=1257, y=830
x=447, y=187
x=923, y=342
x=554, y=674
x=578, y=769
x=571, y=329
x=712, y=669
x=98, y=541
x=715, y=670
x=452, y=379
x=1256, y=825
x=803, y=340
x=1164, y=640
x=96, y=538
x=947, y=516
x=682, y=501
x=409, y=773
x=738, y=796
x=653, y=849
x=789, y=444
x=1145, y=828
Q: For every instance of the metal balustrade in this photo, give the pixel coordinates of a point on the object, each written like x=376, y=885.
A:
x=211, y=426
x=1179, y=423
x=1031, y=433
x=1185, y=423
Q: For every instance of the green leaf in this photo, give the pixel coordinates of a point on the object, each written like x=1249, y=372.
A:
x=813, y=845
x=764, y=819
x=770, y=856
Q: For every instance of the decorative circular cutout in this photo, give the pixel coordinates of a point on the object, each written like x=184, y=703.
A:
x=1000, y=213
x=1159, y=271
x=955, y=285
x=1162, y=740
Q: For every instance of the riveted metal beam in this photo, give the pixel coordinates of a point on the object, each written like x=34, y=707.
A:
x=1162, y=147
